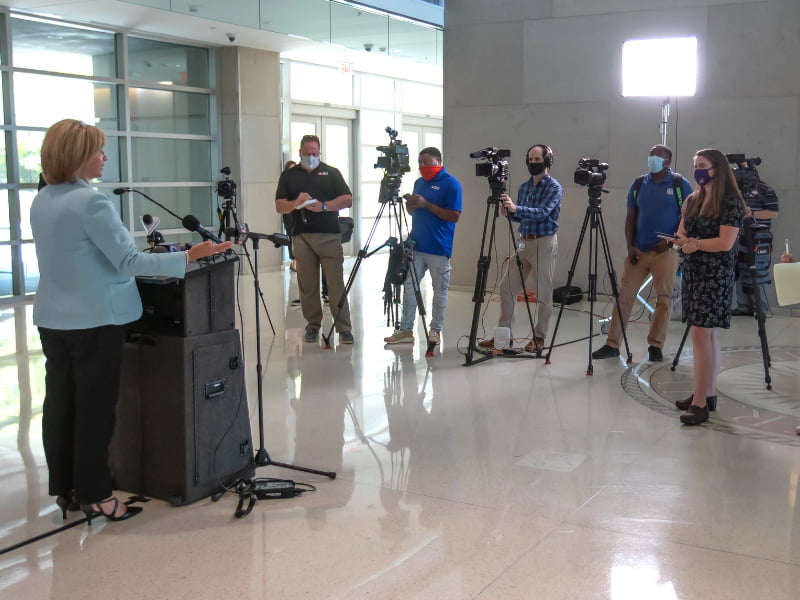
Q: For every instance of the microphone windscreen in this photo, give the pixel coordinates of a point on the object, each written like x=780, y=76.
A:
x=190, y=222
x=147, y=219
x=120, y=191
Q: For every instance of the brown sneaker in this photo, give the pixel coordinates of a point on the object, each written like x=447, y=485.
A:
x=400, y=337
x=535, y=345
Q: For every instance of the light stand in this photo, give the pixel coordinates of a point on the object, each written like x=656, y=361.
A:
x=597, y=234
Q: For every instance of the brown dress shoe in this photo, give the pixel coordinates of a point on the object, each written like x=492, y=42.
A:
x=486, y=343
x=695, y=415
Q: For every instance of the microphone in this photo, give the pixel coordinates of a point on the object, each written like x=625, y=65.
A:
x=243, y=233
x=191, y=223
x=150, y=223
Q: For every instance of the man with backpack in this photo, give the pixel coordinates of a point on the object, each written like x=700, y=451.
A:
x=654, y=206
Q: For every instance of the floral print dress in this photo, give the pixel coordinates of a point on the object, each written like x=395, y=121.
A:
x=708, y=276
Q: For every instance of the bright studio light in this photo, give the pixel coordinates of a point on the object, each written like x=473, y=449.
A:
x=659, y=67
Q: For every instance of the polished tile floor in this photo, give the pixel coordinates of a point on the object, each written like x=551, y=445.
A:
x=505, y=479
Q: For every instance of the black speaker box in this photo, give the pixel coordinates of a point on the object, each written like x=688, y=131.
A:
x=183, y=426
x=203, y=302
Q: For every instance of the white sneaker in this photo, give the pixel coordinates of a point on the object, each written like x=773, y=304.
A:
x=400, y=337
x=434, y=337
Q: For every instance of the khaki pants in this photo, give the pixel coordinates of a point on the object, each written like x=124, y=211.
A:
x=538, y=261
x=662, y=266
x=312, y=250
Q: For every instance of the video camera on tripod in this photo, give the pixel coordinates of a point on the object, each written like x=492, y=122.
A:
x=394, y=165
x=495, y=169
x=746, y=174
x=226, y=188
x=592, y=174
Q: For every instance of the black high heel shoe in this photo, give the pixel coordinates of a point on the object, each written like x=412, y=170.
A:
x=711, y=403
x=67, y=503
x=91, y=512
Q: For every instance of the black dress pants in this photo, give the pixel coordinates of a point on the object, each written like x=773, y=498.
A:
x=82, y=378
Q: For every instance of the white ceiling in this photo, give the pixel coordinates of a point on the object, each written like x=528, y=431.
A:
x=134, y=18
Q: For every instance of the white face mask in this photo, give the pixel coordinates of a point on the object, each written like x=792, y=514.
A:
x=309, y=162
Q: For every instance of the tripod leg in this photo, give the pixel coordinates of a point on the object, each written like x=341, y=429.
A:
x=680, y=348
x=570, y=276
x=481, y=274
x=762, y=334
x=613, y=278
x=521, y=272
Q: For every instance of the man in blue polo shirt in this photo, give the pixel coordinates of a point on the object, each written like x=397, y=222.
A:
x=536, y=210
x=435, y=207
x=654, y=206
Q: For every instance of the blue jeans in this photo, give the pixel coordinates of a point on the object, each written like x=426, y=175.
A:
x=439, y=267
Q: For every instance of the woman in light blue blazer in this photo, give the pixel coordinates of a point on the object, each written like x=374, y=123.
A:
x=87, y=292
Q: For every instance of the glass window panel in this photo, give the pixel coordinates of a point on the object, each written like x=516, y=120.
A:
x=422, y=99
x=373, y=127
x=414, y=42
x=41, y=100
x=182, y=201
x=307, y=82
x=30, y=267
x=5, y=223
x=2, y=95
x=356, y=28
x=377, y=92
x=238, y=12
x=29, y=146
x=171, y=160
x=281, y=16
x=4, y=163
x=25, y=199
x=6, y=279
x=51, y=47
x=166, y=111
x=165, y=63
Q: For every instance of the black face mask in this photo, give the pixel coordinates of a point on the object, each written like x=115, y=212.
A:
x=535, y=168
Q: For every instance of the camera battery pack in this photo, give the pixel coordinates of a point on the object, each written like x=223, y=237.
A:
x=278, y=488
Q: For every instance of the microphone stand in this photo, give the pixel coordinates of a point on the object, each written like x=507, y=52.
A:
x=246, y=486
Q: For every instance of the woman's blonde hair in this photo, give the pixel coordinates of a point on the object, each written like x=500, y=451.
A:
x=67, y=146
x=706, y=201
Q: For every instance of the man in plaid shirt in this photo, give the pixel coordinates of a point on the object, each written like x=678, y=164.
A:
x=536, y=210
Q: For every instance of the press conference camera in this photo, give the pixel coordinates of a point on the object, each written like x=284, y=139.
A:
x=396, y=162
x=496, y=166
x=590, y=172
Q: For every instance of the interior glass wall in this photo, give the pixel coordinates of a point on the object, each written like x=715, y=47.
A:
x=154, y=100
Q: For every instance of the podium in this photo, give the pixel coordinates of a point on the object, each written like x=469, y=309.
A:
x=183, y=424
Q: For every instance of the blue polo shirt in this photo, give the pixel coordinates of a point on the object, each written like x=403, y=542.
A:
x=658, y=209
x=431, y=234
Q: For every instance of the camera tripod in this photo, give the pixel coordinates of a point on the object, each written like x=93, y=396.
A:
x=498, y=187
x=597, y=234
x=390, y=196
x=756, y=299
x=246, y=486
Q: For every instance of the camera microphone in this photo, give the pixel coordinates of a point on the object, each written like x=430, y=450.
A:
x=477, y=154
x=191, y=223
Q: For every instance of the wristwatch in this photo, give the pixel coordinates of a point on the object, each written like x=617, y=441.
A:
x=324, y=206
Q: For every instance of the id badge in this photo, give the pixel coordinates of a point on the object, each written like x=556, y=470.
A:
x=521, y=245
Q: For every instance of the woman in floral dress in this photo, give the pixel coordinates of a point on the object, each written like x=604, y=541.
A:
x=707, y=234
